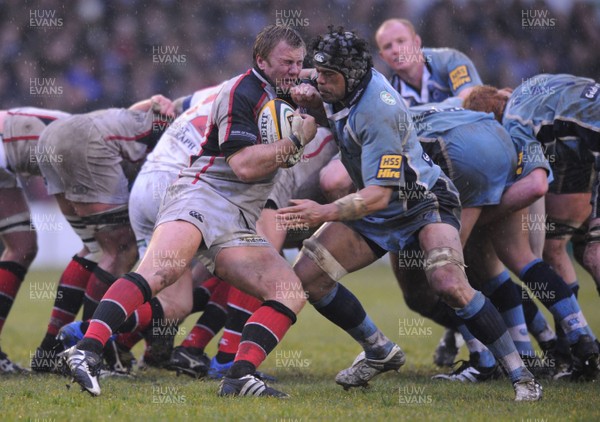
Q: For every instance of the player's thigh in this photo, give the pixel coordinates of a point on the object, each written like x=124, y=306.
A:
x=571, y=208
x=170, y=252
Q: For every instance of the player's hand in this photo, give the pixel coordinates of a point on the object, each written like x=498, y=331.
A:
x=304, y=127
x=304, y=212
x=307, y=96
x=162, y=105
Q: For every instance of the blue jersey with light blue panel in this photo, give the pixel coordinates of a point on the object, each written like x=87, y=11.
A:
x=378, y=146
x=447, y=72
x=471, y=147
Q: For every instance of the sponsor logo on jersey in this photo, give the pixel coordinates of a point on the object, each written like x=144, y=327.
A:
x=389, y=167
x=387, y=98
x=459, y=77
x=197, y=216
x=591, y=91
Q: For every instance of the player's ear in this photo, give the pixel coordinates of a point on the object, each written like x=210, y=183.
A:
x=262, y=63
x=418, y=41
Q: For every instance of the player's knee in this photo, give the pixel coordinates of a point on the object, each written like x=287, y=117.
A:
x=22, y=251
x=445, y=270
x=320, y=280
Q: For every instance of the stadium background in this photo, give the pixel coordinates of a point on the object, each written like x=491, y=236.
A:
x=84, y=55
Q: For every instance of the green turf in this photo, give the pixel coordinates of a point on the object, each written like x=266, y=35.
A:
x=305, y=363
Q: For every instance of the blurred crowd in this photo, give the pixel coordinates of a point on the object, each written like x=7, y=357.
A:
x=83, y=55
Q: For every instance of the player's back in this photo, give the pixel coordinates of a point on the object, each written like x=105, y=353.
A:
x=435, y=119
x=544, y=98
x=185, y=135
x=22, y=128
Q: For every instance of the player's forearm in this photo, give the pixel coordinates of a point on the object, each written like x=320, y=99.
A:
x=257, y=162
x=362, y=203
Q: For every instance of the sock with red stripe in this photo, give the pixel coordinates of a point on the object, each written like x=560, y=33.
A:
x=240, y=306
x=211, y=321
x=139, y=320
x=263, y=331
x=69, y=296
x=203, y=292
x=98, y=285
x=120, y=300
x=11, y=277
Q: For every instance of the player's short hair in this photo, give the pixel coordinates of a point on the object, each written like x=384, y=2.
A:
x=345, y=52
x=402, y=21
x=488, y=99
x=270, y=36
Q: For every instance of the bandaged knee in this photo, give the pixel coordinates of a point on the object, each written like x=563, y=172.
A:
x=440, y=257
x=317, y=253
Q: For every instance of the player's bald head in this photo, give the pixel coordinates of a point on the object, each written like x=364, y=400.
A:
x=390, y=23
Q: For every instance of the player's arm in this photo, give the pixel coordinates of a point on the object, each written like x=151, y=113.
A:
x=158, y=103
x=462, y=74
x=350, y=207
x=256, y=162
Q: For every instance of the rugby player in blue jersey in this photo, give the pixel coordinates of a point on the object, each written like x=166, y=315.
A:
x=559, y=112
x=402, y=197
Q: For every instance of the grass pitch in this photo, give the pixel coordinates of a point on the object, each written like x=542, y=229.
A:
x=305, y=364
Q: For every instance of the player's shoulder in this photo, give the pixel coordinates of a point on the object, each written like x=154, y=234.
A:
x=381, y=94
x=441, y=57
x=380, y=101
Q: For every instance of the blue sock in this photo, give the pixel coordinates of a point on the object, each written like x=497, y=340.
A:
x=506, y=296
x=486, y=358
x=342, y=308
x=486, y=324
x=554, y=293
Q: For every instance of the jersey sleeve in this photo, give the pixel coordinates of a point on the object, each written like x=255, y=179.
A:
x=461, y=72
x=235, y=120
x=382, y=158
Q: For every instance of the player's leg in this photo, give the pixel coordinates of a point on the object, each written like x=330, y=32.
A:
x=511, y=243
x=70, y=291
x=562, y=223
x=240, y=306
x=189, y=357
x=445, y=272
x=259, y=270
x=537, y=212
x=117, y=242
x=20, y=248
x=334, y=250
x=171, y=250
